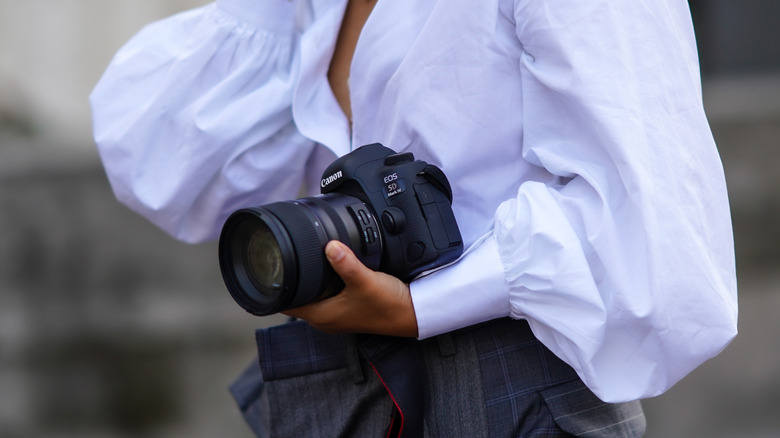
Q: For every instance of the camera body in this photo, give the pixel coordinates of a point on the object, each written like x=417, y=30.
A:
x=393, y=211
x=408, y=220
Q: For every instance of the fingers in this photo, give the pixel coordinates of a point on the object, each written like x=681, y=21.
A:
x=371, y=302
x=346, y=264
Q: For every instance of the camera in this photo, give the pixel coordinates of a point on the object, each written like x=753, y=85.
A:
x=392, y=210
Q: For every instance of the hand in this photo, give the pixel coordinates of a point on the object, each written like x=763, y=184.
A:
x=371, y=302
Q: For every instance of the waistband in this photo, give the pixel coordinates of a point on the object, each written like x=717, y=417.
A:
x=296, y=349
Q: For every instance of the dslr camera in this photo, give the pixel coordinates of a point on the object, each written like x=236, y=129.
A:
x=393, y=211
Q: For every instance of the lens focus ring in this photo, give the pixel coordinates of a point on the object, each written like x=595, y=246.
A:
x=308, y=240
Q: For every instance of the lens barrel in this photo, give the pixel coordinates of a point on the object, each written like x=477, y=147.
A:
x=272, y=257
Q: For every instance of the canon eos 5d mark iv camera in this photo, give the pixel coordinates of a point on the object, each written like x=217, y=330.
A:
x=393, y=211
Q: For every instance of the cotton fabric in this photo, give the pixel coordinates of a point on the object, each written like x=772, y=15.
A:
x=493, y=379
x=587, y=186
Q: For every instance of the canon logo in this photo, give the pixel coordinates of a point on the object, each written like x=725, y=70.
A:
x=330, y=179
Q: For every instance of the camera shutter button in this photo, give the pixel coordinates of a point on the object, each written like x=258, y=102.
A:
x=393, y=220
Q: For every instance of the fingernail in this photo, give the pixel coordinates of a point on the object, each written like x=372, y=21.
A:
x=334, y=252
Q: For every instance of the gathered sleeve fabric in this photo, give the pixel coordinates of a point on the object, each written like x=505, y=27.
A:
x=193, y=116
x=623, y=263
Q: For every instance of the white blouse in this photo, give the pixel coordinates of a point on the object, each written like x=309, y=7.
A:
x=587, y=185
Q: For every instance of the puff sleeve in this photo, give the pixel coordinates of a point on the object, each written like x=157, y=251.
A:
x=192, y=117
x=623, y=263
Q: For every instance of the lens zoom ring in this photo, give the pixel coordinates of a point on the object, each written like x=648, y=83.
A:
x=341, y=229
x=308, y=248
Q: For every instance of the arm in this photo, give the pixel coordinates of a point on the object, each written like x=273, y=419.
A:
x=624, y=265
x=192, y=118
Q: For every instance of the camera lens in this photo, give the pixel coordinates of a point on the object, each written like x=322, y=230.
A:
x=263, y=259
x=257, y=260
x=272, y=257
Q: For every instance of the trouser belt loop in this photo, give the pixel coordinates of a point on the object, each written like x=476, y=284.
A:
x=446, y=344
x=354, y=361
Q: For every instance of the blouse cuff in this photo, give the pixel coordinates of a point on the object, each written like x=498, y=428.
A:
x=469, y=292
x=273, y=15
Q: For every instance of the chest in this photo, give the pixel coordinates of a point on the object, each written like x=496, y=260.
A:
x=429, y=65
x=355, y=16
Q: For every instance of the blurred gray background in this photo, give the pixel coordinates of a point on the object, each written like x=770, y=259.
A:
x=109, y=328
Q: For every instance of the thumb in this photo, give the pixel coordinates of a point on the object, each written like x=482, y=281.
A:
x=346, y=264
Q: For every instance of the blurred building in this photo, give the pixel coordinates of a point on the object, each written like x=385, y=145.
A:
x=52, y=53
x=110, y=329
x=737, y=37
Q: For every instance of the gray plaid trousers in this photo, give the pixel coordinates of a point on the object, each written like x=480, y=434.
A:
x=491, y=380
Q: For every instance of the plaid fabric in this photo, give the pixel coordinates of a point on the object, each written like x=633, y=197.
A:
x=515, y=367
x=529, y=392
x=491, y=380
x=295, y=349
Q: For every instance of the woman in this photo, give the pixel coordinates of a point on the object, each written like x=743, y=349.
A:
x=586, y=185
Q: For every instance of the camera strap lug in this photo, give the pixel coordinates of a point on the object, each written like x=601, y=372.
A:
x=436, y=176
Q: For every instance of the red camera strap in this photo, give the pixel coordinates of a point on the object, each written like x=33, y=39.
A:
x=397, y=364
